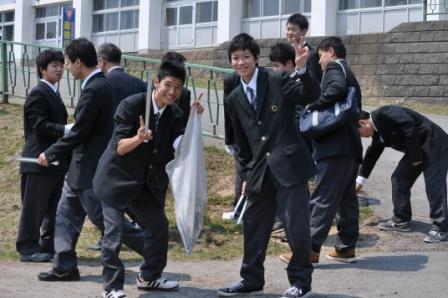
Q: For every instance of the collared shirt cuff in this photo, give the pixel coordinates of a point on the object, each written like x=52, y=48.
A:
x=300, y=71
x=177, y=142
x=67, y=128
x=230, y=150
x=361, y=180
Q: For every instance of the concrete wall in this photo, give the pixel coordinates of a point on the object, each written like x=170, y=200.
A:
x=408, y=63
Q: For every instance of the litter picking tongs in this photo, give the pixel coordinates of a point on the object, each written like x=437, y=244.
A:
x=240, y=201
x=34, y=160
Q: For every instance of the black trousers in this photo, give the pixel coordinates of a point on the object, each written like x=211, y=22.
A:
x=151, y=214
x=435, y=174
x=73, y=207
x=292, y=205
x=335, y=197
x=40, y=197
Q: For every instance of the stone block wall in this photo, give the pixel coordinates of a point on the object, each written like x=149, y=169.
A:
x=408, y=63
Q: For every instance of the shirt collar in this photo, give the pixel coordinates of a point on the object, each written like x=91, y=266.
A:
x=154, y=104
x=89, y=77
x=114, y=67
x=53, y=87
x=252, y=83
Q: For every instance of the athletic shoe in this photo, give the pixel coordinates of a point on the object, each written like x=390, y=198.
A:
x=391, y=225
x=161, y=283
x=295, y=292
x=314, y=257
x=114, y=294
x=239, y=288
x=37, y=257
x=435, y=236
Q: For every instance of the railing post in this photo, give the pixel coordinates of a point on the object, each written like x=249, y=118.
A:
x=5, y=72
x=425, y=9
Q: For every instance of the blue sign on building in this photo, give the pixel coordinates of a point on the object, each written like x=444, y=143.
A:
x=68, y=26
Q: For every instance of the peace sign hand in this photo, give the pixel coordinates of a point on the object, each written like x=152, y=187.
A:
x=302, y=52
x=142, y=134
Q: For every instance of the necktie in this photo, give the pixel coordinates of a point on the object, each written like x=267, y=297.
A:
x=252, y=98
x=156, y=121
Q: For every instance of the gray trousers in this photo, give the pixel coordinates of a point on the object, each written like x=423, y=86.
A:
x=335, y=197
x=73, y=207
x=151, y=214
x=435, y=175
x=291, y=203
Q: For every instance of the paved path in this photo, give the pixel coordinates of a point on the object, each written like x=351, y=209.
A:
x=390, y=265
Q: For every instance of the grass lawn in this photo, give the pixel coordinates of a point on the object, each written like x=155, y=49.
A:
x=219, y=240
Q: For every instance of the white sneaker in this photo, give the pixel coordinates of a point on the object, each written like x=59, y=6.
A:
x=161, y=283
x=228, y=215
x=114, y=294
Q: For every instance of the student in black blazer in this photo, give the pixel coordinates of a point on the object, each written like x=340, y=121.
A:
x=130, y=167
x=425, y=147
x=337, y=157
x=296, y=26
x=275, y=163
x=45, y=119
x=86, y=142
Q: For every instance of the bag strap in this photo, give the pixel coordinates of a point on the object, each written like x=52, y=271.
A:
x=343, y=69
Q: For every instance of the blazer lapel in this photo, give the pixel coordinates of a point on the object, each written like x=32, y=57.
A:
x=262, y=87
x=244, y=102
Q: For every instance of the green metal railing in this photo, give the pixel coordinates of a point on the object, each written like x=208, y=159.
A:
x=434, y=7
x=20, y=75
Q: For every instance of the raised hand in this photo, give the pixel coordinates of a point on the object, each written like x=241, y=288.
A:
x=302, y=52
x=143, y=134
x=197, y=103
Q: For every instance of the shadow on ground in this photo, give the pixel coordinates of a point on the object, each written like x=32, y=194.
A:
x=405, y=263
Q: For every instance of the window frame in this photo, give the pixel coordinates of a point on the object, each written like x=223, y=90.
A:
x=105, y=11
x=4, y=23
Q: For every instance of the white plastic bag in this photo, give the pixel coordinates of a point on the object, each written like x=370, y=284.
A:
x=189, y=182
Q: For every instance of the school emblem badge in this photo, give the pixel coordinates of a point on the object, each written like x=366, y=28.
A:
x=274, y=108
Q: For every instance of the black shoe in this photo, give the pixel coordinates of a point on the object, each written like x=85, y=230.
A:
x=38, y=257
x=57, y=276
x=295, y=292
x=239, y=289
x=97, y=245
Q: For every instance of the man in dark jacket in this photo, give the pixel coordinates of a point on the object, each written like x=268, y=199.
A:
x=45, y=120
x=425, y=147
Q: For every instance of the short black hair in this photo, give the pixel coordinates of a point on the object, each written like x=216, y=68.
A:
x=243, y=41
x=299, y=20
x=82, y=49
x=174, y=56
x=171, y=69
x=47, y=57
x=334, y=42
x=282, y=52
x=109, y=52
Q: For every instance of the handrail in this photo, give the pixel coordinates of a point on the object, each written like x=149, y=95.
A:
x=200, y=78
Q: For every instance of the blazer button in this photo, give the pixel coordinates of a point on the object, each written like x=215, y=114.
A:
x=154, y=151
x=150, y=167
x=263, y=138
x=267, y=153
x=258, y=122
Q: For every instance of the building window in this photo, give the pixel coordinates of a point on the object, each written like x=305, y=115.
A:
x=48, y=22
x=402, y=2
x=356, y=4
x=207, y=12
x=7, y=25
x=185, y=15
x=171, y=16
x=114, y=15
x=266, y=8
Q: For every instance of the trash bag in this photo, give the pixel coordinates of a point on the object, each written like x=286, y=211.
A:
x=189, y=182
